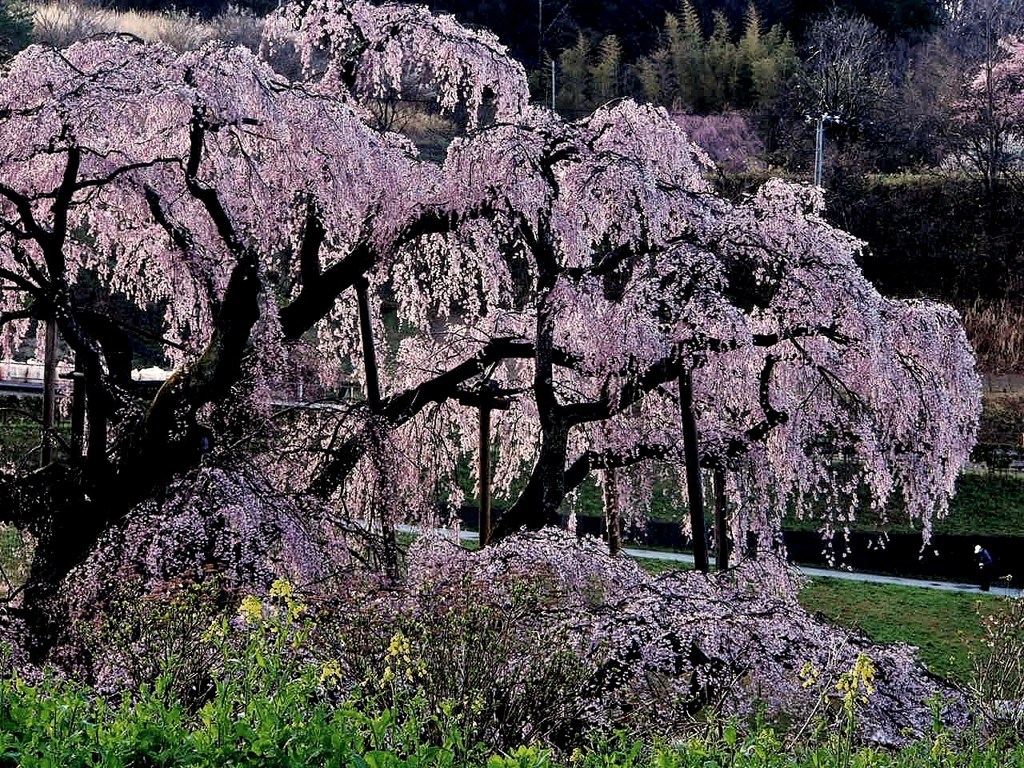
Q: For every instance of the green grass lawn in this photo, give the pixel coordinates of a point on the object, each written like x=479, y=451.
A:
x=946, y=626
x=661, y=566
x=985, y=504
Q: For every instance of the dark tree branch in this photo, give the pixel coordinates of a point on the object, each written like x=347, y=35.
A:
x=590, y=461
x=102, y=181
x=317, y=297
x=41, y=285
x=53, y=247
x=21, y=314
x=179, y=236
x=772, y=416
x=208, y=196
x=321, y=288
x=313, y=233
x=182, y=241
x=434, y=220
x=633, y=390
x=20, y=282
x=167, y=440
x=398, y=409
x=830, y=332
x=23, y=204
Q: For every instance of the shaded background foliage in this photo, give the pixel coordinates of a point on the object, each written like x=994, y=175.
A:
x=15, y=27
x=638, y=24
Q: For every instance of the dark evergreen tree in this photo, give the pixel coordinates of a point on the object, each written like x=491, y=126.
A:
x=15, y=27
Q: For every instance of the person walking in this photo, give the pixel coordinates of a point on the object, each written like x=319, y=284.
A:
x=986, y=565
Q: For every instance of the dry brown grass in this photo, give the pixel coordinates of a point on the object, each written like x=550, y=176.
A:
x=429, y=131
x=996, y=329
x=62, y=23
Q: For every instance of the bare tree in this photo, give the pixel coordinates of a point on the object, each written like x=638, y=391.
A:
x=980, y=134
x=845, y=75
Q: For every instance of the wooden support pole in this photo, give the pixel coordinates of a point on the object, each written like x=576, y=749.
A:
x=389, y=539
x=694, y=482
x=78, y=410
x=369, y=351
x=49, y=391
x=484, y=473
x=486, y=399
x=96, y=452
x=612, y=511
x=723, y=547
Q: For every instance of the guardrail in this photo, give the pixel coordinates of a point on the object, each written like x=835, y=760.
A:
x=18, y=372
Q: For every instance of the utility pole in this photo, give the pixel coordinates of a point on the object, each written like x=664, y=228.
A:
x=819, y=144
x=540, y=49
x=540, y=33
x=819, y=150
x=552, y=85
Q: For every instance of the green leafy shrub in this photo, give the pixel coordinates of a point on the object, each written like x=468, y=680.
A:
x=163, y=636
x=486, y=659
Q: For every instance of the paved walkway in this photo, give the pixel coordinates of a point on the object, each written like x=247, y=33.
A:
x=873, y=578
x=680, y=557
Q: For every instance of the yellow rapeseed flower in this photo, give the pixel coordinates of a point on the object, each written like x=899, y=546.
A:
x=809, y=674
x=399, y=645
x=281, y=588
x=295, y=609
x=330, y=672
x=858, y=682
x=251, y=609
